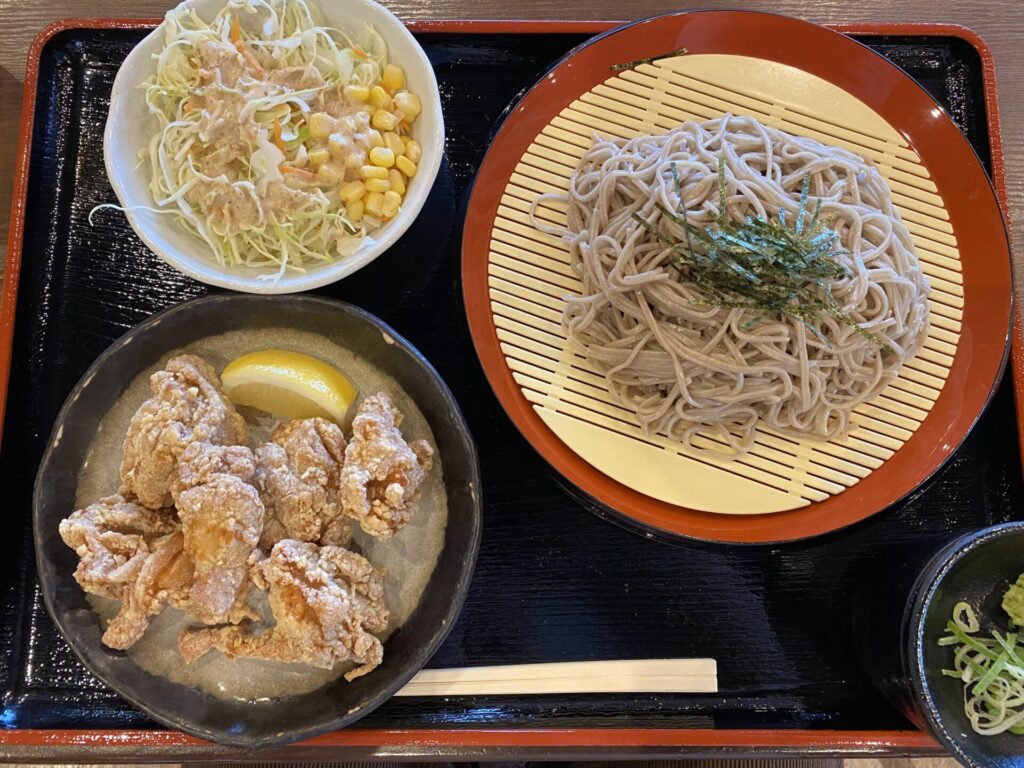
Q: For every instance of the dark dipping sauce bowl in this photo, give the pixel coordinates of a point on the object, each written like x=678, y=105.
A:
x=899, y=618
x=276, y=721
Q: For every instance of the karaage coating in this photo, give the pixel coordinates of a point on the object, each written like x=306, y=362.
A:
x=298, y=477
x=128, y=553
x=187, y=406
x=382, y=471
x=112, y=538
x=164, y=579
x=326, y=603
x=221, y=519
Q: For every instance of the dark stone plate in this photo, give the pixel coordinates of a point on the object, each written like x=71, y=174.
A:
x=233, y=722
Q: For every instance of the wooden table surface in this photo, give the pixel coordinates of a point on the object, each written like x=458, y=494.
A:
x=999, y=22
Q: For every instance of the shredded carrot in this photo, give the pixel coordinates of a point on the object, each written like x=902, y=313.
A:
x=242, y=48
x=277, y=135
x=300, y=173
x=251, y=60
x=360, y=52
x=405, y=126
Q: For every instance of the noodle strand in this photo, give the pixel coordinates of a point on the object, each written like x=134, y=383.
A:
x=687, y=368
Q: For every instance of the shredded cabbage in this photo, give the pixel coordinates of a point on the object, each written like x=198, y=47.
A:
x=272, y=35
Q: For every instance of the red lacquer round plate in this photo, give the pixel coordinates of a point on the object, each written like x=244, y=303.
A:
x=808, y=80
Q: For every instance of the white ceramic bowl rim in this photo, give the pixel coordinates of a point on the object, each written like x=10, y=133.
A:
x=164, y=235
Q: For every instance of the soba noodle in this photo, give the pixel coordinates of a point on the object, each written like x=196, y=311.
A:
x=687, y=367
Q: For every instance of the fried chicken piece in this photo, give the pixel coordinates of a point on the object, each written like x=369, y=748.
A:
x=200, y=463
x=298, y=477
x=326, y=603
x=164, y=579
x=187, y=405
x=132, y=554
x=112, y=538
x=221, y=519
x=382, y=472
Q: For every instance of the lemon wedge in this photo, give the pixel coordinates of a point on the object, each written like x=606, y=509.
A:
x=288, y=384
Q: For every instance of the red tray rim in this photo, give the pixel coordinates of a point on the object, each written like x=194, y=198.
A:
x=438, y=741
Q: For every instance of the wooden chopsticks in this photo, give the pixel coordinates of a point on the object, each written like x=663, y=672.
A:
x=640, y=676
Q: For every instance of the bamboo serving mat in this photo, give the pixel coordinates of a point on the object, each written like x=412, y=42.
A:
x=529, y=276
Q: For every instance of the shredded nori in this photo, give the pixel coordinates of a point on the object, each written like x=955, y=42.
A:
x=768, y=266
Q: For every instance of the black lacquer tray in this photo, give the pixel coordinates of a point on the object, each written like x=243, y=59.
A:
x=553, y=582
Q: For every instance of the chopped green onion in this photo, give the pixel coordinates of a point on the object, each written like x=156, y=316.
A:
x=991, y=670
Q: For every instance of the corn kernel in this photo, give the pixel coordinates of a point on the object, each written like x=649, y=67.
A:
x=355, y=159
x=397, y=181
x=374, y=138
x=382, y=156
x=383, y=120
x=373, y=172
x=406, y=166
x=379, y=98
x=321, y=125
x=319, y=156
x=353, y=191
x=357, y=92
x=374, y=203
x=394, y=143
x=378, y=185
x=413, y=150
x=339, y=145
x=354, y=210
x=330, y=173
x=393, y=77
x=409, y=104
x=392, y=202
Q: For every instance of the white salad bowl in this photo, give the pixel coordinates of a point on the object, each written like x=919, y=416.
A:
x=130, y=128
